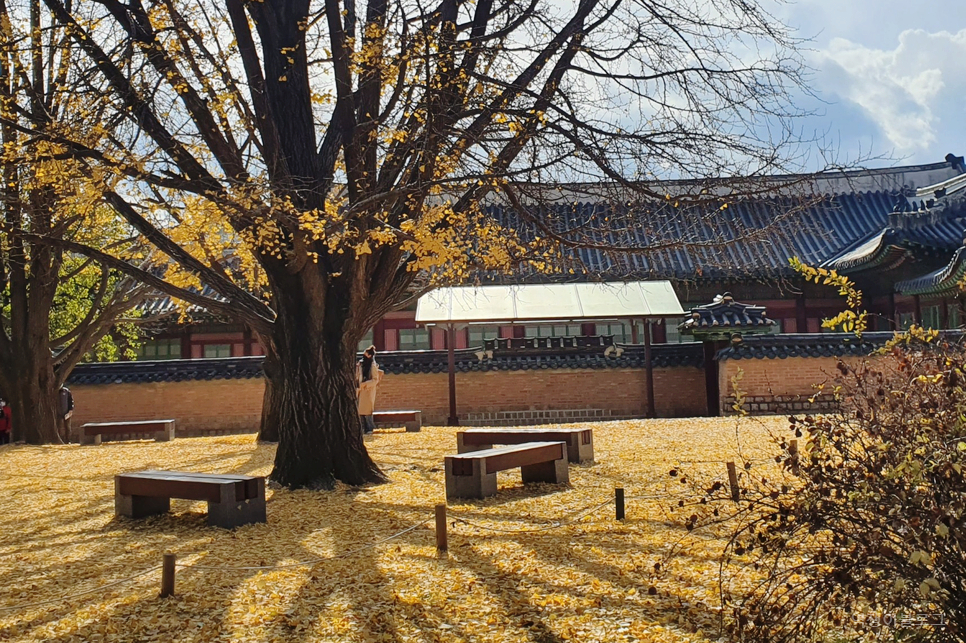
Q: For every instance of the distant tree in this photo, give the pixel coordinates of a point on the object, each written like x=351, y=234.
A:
x=350, y=148
x=55, y=306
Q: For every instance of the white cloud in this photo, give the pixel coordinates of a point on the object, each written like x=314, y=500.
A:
x=914, y=92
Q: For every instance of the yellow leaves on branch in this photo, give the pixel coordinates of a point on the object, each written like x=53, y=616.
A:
x=852, y=320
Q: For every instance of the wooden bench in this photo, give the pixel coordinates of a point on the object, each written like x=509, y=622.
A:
x=163, y=430
x=473, y=475
x=233, y=500
x=580, y=442
x=412, y=420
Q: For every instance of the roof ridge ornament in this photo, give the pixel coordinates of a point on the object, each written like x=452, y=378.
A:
x=724, y=319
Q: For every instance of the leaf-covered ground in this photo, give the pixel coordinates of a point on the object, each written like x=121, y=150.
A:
x=537, y=563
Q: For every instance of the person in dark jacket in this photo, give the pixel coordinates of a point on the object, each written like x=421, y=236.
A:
x=4, y=422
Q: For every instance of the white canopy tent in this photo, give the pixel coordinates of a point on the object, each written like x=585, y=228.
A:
x=460, y=306
x=548, y=302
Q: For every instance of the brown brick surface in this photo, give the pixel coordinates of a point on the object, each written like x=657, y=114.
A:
x=201, y=407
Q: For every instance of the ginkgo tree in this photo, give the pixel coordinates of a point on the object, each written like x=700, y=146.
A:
x=348, y=153
x=56, y=306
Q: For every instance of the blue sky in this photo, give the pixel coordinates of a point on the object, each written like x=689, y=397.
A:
x=891, y=75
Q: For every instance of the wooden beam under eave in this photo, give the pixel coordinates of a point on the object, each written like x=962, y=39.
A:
x=453, y=419
x=649, y=367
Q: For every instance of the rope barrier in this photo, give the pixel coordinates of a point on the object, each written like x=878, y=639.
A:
x=305, y=563
x=555, y=524
x=71, y=597
x=574, y=517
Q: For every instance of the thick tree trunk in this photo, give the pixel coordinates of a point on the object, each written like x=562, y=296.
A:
x=34, y=401
x=313, y=398
x=268, y=429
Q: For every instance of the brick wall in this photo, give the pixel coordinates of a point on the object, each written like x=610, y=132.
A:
x=487, y=397
x=202, y=407
x=778, y=385
x=199, y=407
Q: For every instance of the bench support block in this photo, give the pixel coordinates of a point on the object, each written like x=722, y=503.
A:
x=476, y=485
x=230, y=513
x=555, y=471
x=581, y=449
x=166, y=434
x=138, y=506
x=90, y=439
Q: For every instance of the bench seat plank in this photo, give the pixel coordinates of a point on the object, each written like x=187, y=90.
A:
x=473, y=475
x=233, y=500
x=91, y=432
x=250, y=482
x=412, y=420
x=580, y=441
x=184, y=488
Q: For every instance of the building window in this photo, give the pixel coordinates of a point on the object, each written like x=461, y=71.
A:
x=906, y=320
x=620, y=330
x=555, y=330
x=478, y=334
x=366, y=341
x=160, y=349
x=217, y=350
x=671, y=333
x=930, y=317
x=413, y=339
x=953, y=321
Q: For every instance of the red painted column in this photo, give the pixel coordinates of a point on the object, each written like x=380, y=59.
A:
x=801, y=316
x=185, y=343
x=379, y=336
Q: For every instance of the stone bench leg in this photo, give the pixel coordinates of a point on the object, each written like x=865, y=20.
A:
x=90, y=439
x=578, y=450
x=138, y=506
x=555, y=471
x=166, y=434
x=476, y=485
x=230, y=513
x=586, y=446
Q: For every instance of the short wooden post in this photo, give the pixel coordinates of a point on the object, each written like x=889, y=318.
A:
x=619, y=502
x=793, y=454
x=441, y=544
x=167, y=575
x=733, y=481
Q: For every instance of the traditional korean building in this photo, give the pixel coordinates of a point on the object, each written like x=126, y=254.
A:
x=897, y=232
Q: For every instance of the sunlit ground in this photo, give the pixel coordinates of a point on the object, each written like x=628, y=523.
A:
x=536, y=563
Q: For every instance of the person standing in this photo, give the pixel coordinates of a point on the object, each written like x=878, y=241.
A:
x=368, y=377
x=66, y=409
x=4, y=422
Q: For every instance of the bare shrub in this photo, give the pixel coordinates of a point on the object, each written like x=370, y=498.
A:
x=861, y=535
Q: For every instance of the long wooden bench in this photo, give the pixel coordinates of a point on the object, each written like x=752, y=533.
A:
x=163, y=430
x=233, y=500
x=473, y=475
x=580, y=442
x=412, y=420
